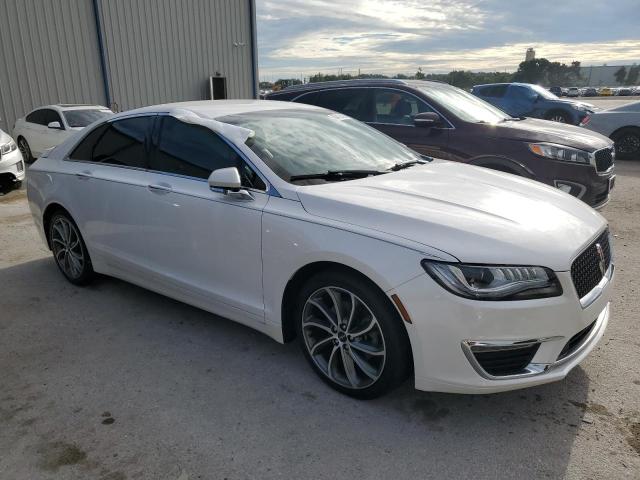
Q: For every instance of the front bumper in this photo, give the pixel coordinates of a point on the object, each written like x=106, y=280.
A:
x=12, y=165
x=588, y=185
x=444, y=325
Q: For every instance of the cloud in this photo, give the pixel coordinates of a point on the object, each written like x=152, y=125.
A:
x=392, y=36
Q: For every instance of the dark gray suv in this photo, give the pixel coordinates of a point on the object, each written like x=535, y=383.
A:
x=442, y=121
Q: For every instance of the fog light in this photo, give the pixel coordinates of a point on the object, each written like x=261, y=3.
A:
x=571, y=188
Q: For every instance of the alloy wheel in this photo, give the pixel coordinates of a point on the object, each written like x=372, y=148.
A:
x=557, y=118
x=23, y=146
x=628, y=144
x=343, y=337
x=67, y=247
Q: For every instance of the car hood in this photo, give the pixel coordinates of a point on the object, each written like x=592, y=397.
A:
x=4, y=138
x=475, y=214
x=574, y=103
x=536, y=130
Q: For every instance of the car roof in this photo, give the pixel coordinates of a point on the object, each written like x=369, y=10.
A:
x=507, y=83
x=62, y=107
x=219, y=108
x=364, y=82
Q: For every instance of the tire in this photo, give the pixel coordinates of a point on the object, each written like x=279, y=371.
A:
x=558, y=116
x=627, y=143
x=364, y=357
x=23, y=145
x=69, y=250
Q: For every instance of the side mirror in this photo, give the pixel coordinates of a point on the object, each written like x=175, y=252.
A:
x=55, y=125
x=228, y=179
x=426, y=120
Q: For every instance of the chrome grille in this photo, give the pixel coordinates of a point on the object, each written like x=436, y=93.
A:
x=586, y=271
x=604, y=159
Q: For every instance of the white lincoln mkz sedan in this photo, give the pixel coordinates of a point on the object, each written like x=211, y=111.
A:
x=300, y=222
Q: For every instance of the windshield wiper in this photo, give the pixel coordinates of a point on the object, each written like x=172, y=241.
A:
x=401, y=166
x=337, y=175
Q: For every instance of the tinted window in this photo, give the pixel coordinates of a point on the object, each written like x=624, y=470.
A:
x=84, y=150
x=494, y=91
x=196, y=151
x=522, y=93
x=84, y=117
x=123, y=143
x=308, y=98
x=350, y=101
x=36, y=117
x=397, y=107
x=50, y=116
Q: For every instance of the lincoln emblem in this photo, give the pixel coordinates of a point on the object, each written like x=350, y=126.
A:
x=601, y=262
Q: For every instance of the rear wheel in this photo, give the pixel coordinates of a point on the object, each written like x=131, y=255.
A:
x=627, y=143
x=351, y=335
x=69, y=250
x=23, y=145
x=558, y=116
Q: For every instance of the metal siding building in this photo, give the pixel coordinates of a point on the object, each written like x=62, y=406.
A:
x=124, y=53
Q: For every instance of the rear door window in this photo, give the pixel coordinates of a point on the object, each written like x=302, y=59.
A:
x=123, y=143
x=51, y=116
x=353, y=102
x=494, y=91
x=36, y=117
x=397, y=107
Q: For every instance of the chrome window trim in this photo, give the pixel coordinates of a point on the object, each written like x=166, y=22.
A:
x=270, y=189
x=319, y=90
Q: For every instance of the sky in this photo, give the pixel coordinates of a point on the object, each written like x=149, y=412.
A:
x=301, y=37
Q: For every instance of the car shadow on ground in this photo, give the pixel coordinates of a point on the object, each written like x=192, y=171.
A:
x=178, y=379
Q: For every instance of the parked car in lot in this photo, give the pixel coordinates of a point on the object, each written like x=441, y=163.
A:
x=557, y=91
x=625, y=92
x=299, y=221
x=622, y=125
x=46, y=127
x=11, y=164
x=524, y=99
x=606, y=92
x=455, y=125
x=573, y=92
x=590, y=92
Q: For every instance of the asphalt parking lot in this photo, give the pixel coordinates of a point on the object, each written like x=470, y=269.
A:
x=113, y=382
x=608, y=102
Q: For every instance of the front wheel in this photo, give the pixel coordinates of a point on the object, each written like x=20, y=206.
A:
x=23, y=145
x=69, y=250
x=351, y=335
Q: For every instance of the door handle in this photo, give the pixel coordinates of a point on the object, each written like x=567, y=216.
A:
x=84, y=175
x=160, y=188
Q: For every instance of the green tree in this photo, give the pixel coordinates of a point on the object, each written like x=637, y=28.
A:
x=632, y=76
x=620, y=75
x=419, y=74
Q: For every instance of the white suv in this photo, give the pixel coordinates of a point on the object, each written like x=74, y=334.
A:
x=47, y=127
x=11, y=164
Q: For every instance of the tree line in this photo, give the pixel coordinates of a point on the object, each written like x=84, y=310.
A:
x=539, y=71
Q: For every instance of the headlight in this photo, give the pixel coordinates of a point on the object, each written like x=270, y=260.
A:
x=560, y=152
x=8, y=148
x=494, y=282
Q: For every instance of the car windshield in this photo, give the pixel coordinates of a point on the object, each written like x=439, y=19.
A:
x=295, y=142
x=544, y=93
x=464, y=105
x=84, y=117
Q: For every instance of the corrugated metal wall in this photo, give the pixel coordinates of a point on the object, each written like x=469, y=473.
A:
x=156, y=51
x=165, y=50
x=48, y=54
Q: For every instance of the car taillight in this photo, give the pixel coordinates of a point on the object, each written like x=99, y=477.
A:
x=585, y=120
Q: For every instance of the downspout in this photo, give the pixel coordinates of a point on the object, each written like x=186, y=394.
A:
x=254, y=47
x=103, y=58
